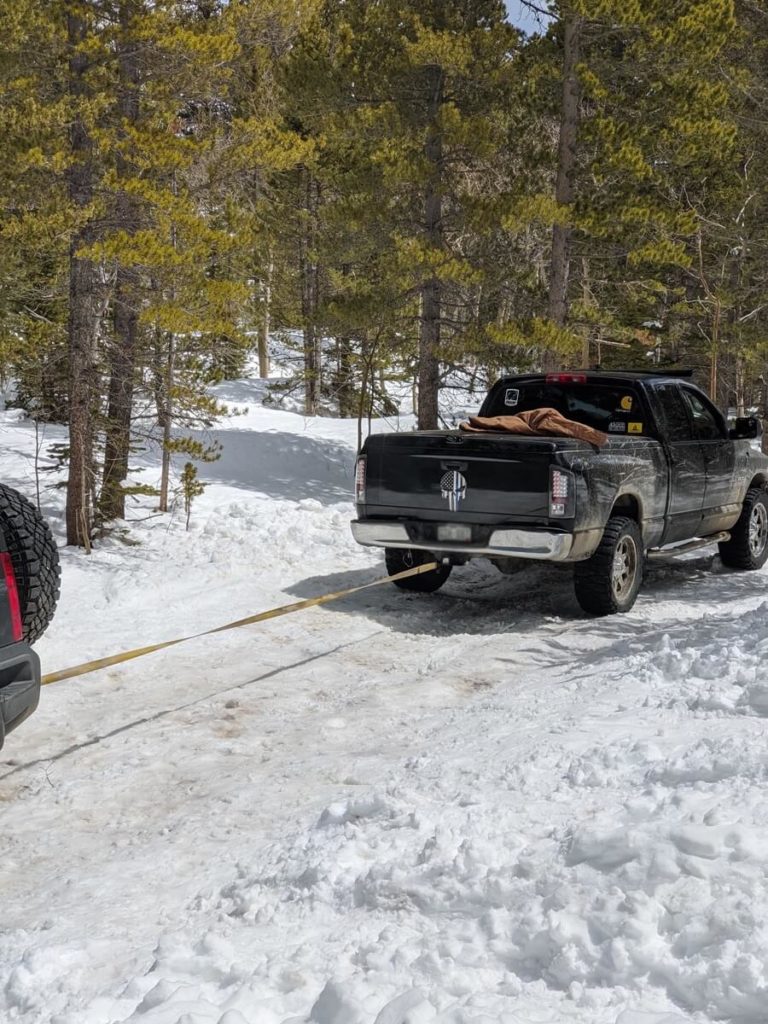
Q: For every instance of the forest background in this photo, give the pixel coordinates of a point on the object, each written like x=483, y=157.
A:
x=407, y=193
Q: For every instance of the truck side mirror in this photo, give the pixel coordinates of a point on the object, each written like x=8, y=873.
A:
x=746, y=428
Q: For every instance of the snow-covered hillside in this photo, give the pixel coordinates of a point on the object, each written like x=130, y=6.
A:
x=477, y=807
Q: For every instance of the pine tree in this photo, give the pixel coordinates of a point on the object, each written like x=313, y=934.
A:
x=653, y=123
x=132, y=120
x=408, y=100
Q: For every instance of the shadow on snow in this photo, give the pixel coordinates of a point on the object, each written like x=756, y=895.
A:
x=282, y=465
x=479, y=599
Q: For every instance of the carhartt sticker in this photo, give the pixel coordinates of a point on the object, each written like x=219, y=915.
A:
x=635, y=428
x=626, y=403
x=511, y=396
x=617, y=427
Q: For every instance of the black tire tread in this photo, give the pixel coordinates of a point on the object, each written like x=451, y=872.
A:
x=736, y=553
x=424, y=583
x=35, y=560
x=592, y=578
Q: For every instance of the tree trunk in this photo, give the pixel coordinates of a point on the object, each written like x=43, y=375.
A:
x=119, y=404
x=560, y=263
x=361, y=404
x=85, y=296
x=167, y=423
x=429, y=328
x=266, y=316
x=734, y=324
x=310, y=276
x=164, y=362
x=345, y=376
x=714, y=351
x=345, y=386
x=586, y=298
x=740, y=386
x=123, y=351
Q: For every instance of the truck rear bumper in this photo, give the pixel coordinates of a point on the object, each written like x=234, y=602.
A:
x=19, y=686
x=542, y=545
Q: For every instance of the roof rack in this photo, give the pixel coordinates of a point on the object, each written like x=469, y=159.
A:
x=648, y=373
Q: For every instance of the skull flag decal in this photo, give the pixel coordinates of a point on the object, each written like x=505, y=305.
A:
x=453, y=487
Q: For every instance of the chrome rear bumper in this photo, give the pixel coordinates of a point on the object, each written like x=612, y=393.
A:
x=538, y=544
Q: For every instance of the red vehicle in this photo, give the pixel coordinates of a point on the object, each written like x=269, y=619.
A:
x=29, y=590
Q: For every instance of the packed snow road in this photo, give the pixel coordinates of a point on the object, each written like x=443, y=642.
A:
x=473, y=807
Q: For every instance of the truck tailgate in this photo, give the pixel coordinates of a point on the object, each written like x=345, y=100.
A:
x=466, y=476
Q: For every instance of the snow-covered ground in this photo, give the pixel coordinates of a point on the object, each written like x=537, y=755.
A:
x=476, y=807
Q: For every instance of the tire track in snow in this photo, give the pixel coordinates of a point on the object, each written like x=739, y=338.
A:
x=158, y=715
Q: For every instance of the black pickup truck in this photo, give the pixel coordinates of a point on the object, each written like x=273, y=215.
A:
x=29, y=590
x=671, y=477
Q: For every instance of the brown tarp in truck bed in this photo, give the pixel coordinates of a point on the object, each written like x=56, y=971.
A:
x=536, y=423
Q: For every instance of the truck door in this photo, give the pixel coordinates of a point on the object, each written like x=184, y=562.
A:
x=686, y=464
x=720, y=501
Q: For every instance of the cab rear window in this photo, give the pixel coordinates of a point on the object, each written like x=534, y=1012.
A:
x=614, y=410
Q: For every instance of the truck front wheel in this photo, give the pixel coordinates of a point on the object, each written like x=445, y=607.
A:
x=748, y=546
x=400, y=559
x=609, y=581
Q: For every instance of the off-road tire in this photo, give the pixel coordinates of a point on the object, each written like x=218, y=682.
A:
x=609, y=581
x=400, y=559
x=748, y=546
x=35, y=560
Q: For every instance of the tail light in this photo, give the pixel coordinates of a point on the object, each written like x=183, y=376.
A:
x=562, y=493
x=566, y=378
x=360, y=481
x=6, y=567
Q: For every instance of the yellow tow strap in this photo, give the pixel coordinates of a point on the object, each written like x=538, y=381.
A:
x=272, y=613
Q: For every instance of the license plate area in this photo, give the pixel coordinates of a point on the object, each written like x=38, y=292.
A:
x=454, y=533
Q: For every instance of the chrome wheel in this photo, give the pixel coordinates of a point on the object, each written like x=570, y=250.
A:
x=608, y=581
x=747, y=546
x=624, y=567
x=758, y=529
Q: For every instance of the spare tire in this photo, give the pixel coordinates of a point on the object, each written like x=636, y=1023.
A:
x=35, y=560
